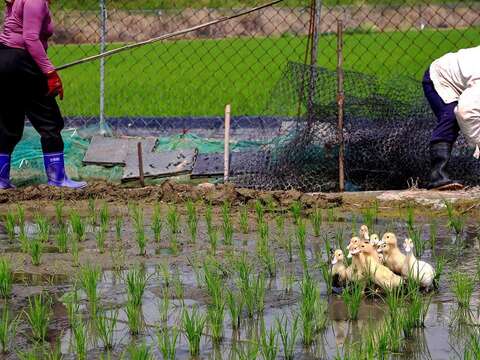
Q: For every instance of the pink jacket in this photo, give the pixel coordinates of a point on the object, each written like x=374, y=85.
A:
x=28, y=25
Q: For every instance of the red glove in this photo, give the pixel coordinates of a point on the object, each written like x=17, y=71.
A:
x=55, y=86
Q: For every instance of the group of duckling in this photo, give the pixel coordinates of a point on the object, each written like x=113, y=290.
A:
x=382, y=261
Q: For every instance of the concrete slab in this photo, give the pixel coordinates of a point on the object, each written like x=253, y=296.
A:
x=110, y=151
x=161, y=164
x=208, y=165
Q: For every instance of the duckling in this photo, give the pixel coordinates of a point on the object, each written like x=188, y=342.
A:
x=393, y=257
x=382, y=276
x=364, y=234
x=418, y=269
x=374, y=240
x=339, y=270
x=354, y=241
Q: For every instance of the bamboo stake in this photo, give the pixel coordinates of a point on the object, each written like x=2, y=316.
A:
x=140, y=164
x=341, y=107
x=226, y=164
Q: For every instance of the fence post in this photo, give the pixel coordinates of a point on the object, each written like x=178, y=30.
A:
x=340, y=103
x=103, y=41
x=226, y=155
x=314, y=57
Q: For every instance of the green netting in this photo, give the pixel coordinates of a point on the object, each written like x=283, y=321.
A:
x=27, y=159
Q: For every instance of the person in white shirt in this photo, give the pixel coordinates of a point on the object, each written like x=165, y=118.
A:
x=452, y=87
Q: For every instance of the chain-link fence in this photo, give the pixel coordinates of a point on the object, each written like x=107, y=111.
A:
x=245, y=61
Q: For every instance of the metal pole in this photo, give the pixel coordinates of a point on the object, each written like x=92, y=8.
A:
x=226, y=165
x=316, y=32
x=341, y=104
x=103, y=41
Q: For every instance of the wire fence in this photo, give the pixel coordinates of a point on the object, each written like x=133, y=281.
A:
x=243, y=62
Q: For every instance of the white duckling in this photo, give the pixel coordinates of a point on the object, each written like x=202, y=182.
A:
x=364, y=234
x=418, y=269
x=392, y=256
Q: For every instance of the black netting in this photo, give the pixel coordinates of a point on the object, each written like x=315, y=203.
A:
x=387, y=130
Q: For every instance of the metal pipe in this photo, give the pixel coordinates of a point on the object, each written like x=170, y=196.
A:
x=140, y=164
x=226, y=165
x=103, y=41
x=341, y=107
x=167, y=36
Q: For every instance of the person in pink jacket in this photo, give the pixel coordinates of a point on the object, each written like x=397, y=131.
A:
x=29, y=85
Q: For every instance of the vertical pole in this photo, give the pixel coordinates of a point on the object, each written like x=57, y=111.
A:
x=314, y=55
x=340, y=103
x=226, y=158
x=316, y=32
x=103, y=41
x=140, y=164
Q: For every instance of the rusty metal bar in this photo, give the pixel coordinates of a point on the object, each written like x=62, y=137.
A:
x=140, y=164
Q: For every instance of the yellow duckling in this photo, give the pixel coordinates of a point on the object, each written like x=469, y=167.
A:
x=418, y=269
x=382, y=276
x=392, y=256
x=339, y=270
x=364, y=234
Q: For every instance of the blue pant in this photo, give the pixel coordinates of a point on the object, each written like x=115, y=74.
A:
x=447, y=128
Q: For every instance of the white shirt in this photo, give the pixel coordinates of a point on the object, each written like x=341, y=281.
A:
x=453, y=73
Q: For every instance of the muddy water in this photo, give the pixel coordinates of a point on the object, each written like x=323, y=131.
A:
x=442, y=337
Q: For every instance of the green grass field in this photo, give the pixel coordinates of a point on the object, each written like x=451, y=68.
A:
x=199, y=77
x=180, y=4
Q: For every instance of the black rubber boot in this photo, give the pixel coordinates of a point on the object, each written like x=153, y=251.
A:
x=439, y=156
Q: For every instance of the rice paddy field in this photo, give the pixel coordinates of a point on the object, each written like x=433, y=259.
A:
x=191, y=280
x=197, y=77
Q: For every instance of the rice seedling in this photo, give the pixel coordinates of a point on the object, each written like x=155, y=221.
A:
x=309, y=294
x=59, y=206
x=43, y=227
x=247, y=351
x=80, y=339
x=28, y=355
x=74, y=248
x=215, y=317
x=173, y=220
x=370, y=217
x=139, y=352
x=193, y=324
x=36, y=251
x=213, y=283
x=6, y=278
x=100, y=238
x=24, y=242
x=463, y=286
x=78, y=226
x=9, y=223
x=259, y=211
x=92, y=212
x=472, y=348
x=354, y=225
x=136, y=282
x=157, y=224
x=288, y=336
x=62, y=239
x=134, y=317
x=456, y=222
x=268, y=259
x=118, y=228
x=244, y=227
x=280, y=224
x=440, y=263
x=432, y=239
x=235, y=306
x=138, y=222
x=209, y=217
x=89, y=277
x=227, y=225
x=417, y=309
x=410, y=217
x=213, y=240
x=415, y=234
x=301, y=233
x=316, y=220
x=289, y=247
x=167, y=342
x=105, y=326
x=54, y=352
x=352, y=297
x=21, y=219
x=395, y=299
x=178, y=286
x=73, y=306
x=269, y=343
x=37, y=314
x=164, y=306
x=164, y=272
x=296, y=209
x=326, y=271
x=331, y=217
x=8, y=330
x=104, y=216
